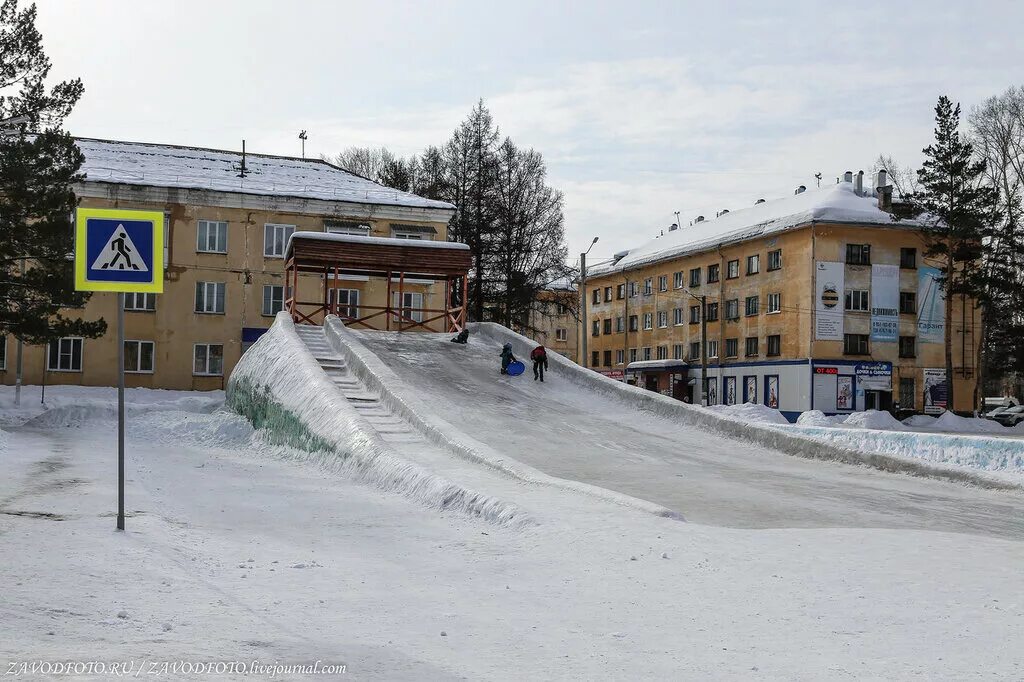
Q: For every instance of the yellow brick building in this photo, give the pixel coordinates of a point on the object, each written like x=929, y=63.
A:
x=555, y=321
x=227, y=225
x=815, y=301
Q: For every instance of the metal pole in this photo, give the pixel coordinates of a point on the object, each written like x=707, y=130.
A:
x=18, y=373
x=583, y=308
x=120, y=411
x=703, y=351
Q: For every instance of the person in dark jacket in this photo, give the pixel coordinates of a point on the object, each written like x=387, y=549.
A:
x=506, y=357
x=463, y=337
x=540, y=362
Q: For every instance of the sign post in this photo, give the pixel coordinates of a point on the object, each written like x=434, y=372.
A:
x=119, y=251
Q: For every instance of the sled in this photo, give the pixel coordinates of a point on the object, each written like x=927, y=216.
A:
x=515, y=368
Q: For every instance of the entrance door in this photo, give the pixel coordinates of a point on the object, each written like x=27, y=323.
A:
x=871, y=400
x=651, y=382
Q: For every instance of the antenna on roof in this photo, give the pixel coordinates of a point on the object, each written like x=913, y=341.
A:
x=302, y=136
x=242, y=172
x=817, y=176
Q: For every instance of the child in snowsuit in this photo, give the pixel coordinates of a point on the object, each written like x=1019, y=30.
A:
x=540, y=362
x=506, y=357
x=463, y=337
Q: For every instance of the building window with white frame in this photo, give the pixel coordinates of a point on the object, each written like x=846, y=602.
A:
x=275, y=239
x=648, y=286
x=662, y=353
x=647, y=353
x=632, y=354
x=561, y=335
x=138, y=357
x=774, y=303
x=210, y=298
x=65, y=355
x=775, y=260
x=346, y=227
x=410, y=305
x=412, y=232
x=712, y=349
x=648, y=321
x=208, y=359
x=662, y=318
x=212, y=236
x=677, y=280
x=662, y=282
x=753, y=264
x=139, y=302
x=774, y=343
x=752, y=305
x=857, y=300
x=344, y=301
x=677, y=351
x=620, y=357
x=273, y=299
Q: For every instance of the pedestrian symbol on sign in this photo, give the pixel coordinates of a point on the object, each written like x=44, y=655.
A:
x=120, y=253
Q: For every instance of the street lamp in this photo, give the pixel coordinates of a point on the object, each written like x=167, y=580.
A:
x=583, y=301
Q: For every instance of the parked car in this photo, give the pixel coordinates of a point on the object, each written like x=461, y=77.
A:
x=1011, y=416
x=993, y=403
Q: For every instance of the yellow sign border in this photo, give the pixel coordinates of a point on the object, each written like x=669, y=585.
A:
x=82, y=283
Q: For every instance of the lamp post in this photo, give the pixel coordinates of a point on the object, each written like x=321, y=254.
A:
x=583, y=302
x=703, y=346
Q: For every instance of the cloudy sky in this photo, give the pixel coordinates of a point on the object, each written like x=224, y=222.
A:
x=640, y=108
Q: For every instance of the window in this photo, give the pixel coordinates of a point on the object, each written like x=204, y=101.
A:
x=712, y=312
x=753, y=264
x=561, y=309
x=774, y=343
x=3, y=352
x=345, y=302
x=596, y=298
x=608, y=325
x=273, y=299
x=908, y=394
x=857, y=300
x=275, y=238
x=732, y=309
x=620, y=291
x=695, y=350
x=212, y=236
x=908, y=260
x=561, y=335
x=607, y=294
x=65, y=355
x=346, y=227
x=208, y=359
x=774, y=303
x=662, y=352
x=694, y=314
x=632, y=355
x=858, y=254
x=751, y=346
x=713, y=349
x=595, y=328
x=732, y=348
x=677, y=316
x=634, y=289
x=412, y=232
x=620, y=324
x=695, y=277
x=751, y=306
x=648, y=321
x=677, y=351
x=595, y=358
x=908, y=302
x=732, y=269
x=620, y=357
x=138, y=357
x=648, y=286
x=855, y=344
x=607, y=358
x=677, y=280
x=662, y=282
x=646, y=354
x=135, y=301
x=210, y=297
x=908, y=349
x=662, y=319
x=634, y=323
x=775, y=260
x=713, y=272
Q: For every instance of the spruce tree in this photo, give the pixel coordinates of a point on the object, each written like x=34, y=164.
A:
x=959, y=210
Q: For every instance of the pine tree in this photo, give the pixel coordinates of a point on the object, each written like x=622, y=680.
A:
x=38, y=165
x=959, y=210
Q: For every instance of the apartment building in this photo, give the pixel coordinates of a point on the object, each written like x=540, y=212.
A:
x=228, y=218
x=555, y=321
x=818, y=300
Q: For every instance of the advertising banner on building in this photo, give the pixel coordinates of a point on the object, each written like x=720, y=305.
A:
x=931, y=303
x=874, y=376
x=828, y=301
x=935, y=392
x=771, y=398
x=844, y=393
x=885, y=300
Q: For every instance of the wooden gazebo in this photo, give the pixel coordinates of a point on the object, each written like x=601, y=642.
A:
x=330, y=255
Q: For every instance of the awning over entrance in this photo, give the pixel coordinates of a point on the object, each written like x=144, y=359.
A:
x=657, y=366
x=331, y=255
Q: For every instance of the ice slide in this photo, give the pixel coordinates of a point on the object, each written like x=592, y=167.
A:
x=445, y=408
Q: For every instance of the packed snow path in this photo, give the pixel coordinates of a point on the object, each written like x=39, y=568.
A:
x=582, y=435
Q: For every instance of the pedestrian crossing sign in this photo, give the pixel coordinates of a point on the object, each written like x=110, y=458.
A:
x=119, y=250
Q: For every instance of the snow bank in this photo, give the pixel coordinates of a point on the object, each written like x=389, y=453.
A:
x=789, y=439
x=753, y=413
x=948, y=421
x=918, y=421
x=818, y=418
x=75, y=415
x=282, y=390
x=405, y=401
x=873, y=419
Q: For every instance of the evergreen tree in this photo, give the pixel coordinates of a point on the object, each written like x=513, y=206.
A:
x=959, y=210
x=38, y=165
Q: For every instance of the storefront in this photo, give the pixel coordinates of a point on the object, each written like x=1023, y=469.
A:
x=668, y=377
x=843, y=386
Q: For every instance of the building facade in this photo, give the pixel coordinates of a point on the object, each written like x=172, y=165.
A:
x=554, y=323
x=228, y=218
x=816, y=301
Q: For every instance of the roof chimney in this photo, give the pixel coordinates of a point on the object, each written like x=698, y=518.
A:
x=699, y=219
x=800, y=190
x=724, y=211
x=673, y=227
x=884, y=191
x=858, y=184
x=759, y=201
x=848, y=176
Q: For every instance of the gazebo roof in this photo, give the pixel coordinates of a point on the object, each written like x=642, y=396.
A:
x=379, y=256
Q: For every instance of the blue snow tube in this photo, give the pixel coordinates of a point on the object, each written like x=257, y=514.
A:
x=515, y=368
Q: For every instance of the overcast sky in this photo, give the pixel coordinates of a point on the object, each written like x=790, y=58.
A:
x=641, y=109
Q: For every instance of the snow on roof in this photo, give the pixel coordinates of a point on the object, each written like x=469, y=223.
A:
x=833, y=204
x=560, y=284
x=380, y=241
x=159, y=165
x=640, y=365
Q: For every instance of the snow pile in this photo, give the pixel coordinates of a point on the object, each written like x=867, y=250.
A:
x=753, y=413
x=282, y=390
x=98, y=409
x=818, y=418
x=950, y=422
x=921, y=421
x=873, y=419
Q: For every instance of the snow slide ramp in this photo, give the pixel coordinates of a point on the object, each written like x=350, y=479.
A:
x=292, y=384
